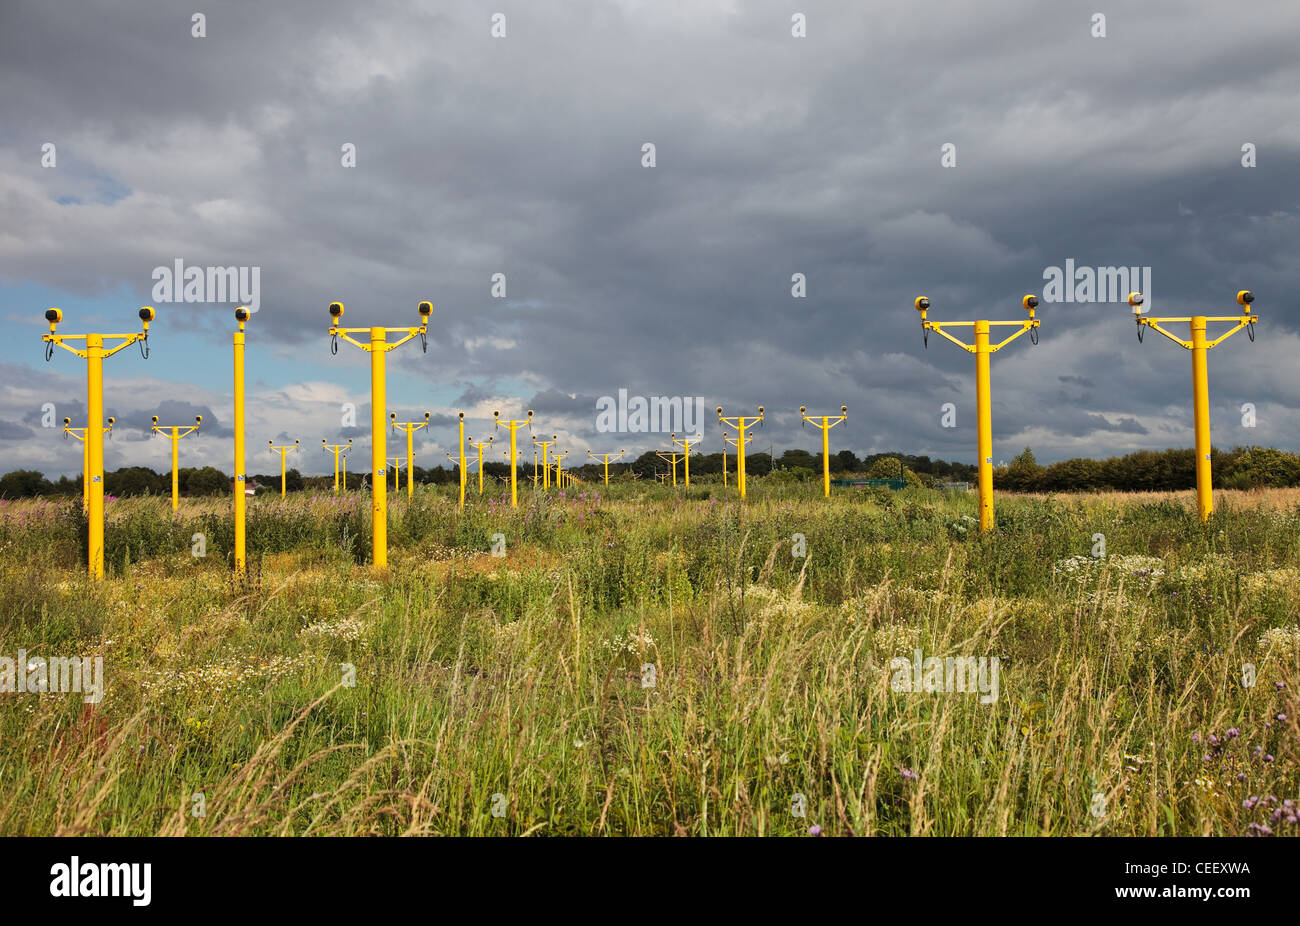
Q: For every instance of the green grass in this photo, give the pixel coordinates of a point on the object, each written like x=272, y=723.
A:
x=521, y=676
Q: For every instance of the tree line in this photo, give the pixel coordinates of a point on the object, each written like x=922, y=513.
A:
x=1142, y=471
x=1151, y=471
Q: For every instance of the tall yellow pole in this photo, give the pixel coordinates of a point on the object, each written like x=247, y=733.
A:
x=982, y=348
x=741, y=423
x=338, y=450
x=1201, y=409
x=825, y=423
x=378, y=347
x=378, y=446
x=80, y=435
x=605, y=459
x=686, y=444
x=480, y=445
x=513, y=425
x=826, y=459
x=283, y=451
x=740, y=462
x=410, y=469
x=984, y=414
x=462, y=460
x=410, y=427
x=546, y=466
x=175, y=433
x=241, y=557
x=1200, y=345
x=94, y=355
x=95, y=441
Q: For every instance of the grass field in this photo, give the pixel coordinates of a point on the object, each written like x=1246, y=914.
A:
x=468, y=693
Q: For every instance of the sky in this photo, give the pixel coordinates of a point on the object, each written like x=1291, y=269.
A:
x=815, y=167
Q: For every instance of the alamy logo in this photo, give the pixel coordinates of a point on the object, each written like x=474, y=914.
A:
x=106, y=879
x=966, y=674
x=39, y=675
x=1101, y=284
x=178, y=283
x=639, y=415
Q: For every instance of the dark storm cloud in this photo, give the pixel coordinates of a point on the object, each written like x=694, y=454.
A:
x=12, y=430
x=775, y=156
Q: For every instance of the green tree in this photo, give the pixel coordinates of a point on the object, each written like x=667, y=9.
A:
x=23, y=483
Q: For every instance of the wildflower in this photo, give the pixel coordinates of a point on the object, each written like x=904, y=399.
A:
x=814, y=830
x=909, y=774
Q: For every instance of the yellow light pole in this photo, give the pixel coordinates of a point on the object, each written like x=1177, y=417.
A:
x=686, y=445
x=480, y=445
x=982, y=349
x=241, y=558
x=463, y=466
x=410, y=427
x=672, y=458
x=1200, y=346
x=546, y=466
x=94, y=354
x=741, y=423
x=559, y=467
x=397, y=473
x=283, y=451
x=462, y=459
x=536, y=475
x=176, y=432
x=378, y=348
x=605, y=458
x=513, y=425
x=732, y=441
x=338, y=450
x=80, y=434
x=824, y=423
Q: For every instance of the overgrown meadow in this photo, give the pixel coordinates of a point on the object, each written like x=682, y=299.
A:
x=649, y=661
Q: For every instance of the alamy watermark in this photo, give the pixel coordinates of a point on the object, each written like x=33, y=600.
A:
x=1095, y=284
x=965, y=674
x=640, y=415
x=39, y=675
x=179, y=283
